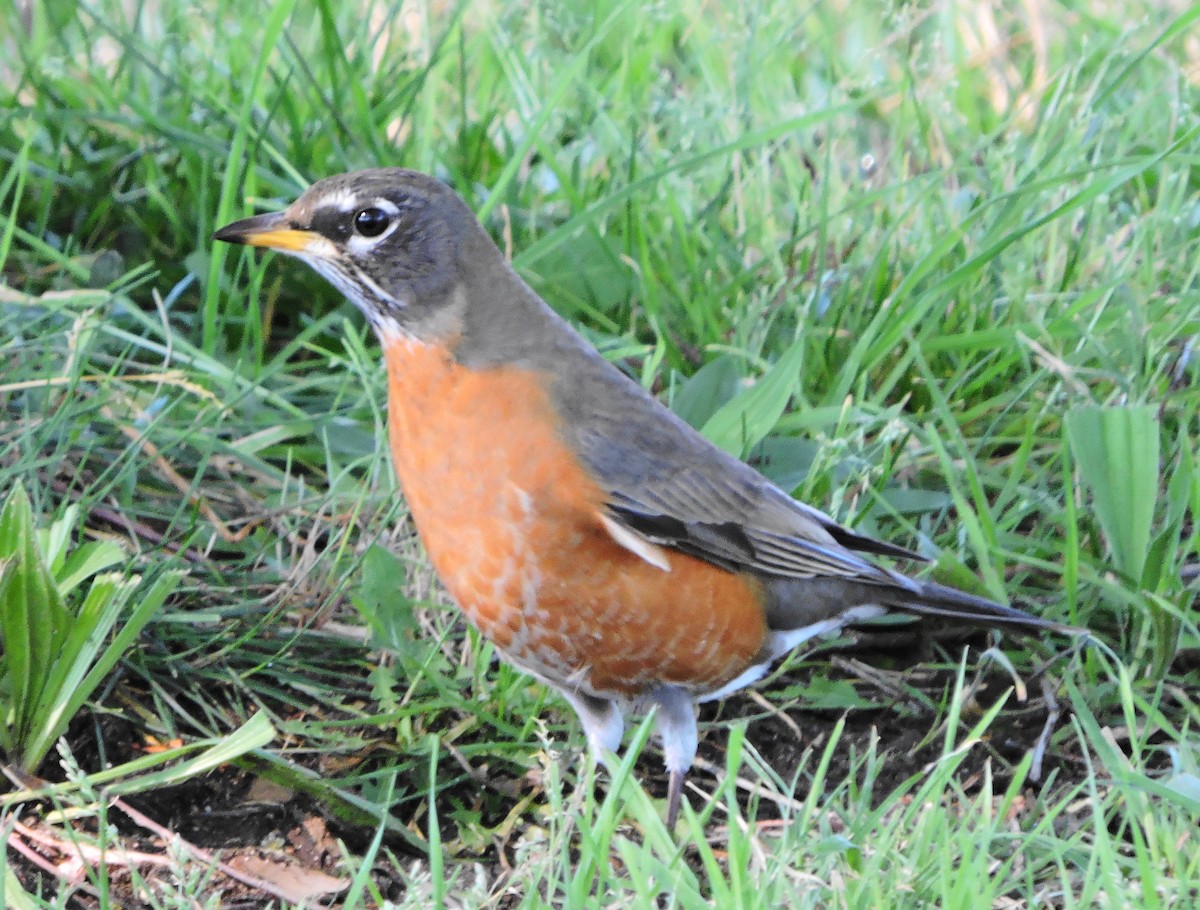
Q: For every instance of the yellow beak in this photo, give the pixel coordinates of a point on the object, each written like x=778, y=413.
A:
x=271, y=231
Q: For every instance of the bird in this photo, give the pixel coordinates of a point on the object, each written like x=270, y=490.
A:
x=602, y=544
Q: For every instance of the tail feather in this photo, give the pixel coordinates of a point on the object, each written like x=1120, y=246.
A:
x=932, y=599
x=796, y=603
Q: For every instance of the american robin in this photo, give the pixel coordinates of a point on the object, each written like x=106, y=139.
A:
x=604, y=546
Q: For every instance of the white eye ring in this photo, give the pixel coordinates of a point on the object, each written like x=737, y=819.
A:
x=379, y=213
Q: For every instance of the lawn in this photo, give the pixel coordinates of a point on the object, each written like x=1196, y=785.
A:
x=932, y=268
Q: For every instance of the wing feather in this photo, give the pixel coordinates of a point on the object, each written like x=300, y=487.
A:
x=666, y=483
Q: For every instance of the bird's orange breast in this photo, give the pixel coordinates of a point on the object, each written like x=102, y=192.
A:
x=512, y=524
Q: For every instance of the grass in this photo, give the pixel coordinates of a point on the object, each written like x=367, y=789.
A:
x=933, y=269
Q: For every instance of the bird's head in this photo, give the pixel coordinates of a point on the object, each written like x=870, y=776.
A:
x=389, y=239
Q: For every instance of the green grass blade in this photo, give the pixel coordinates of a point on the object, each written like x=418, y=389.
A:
x=253, y=734
x=12, y=895
x=145, y=608
x=33, y=617
x=1117, y=449
x=565, y=82
x=74, y=655
x=272, y=28
x=8, y=681
x=744, y=421
x=53, y=541
x=14, y=182
x=88, y=560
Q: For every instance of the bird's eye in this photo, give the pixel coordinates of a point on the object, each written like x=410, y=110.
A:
x=372, y=222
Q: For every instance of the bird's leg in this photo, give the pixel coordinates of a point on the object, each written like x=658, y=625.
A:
x=675, y=720
x=674, y=796
x=603, y=724
x=601, y=720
